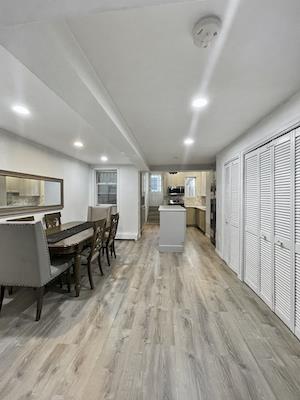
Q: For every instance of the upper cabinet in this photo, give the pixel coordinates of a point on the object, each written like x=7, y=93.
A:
x=179, y=180
x=22, y=193
x=203, y=184
x=25, y=187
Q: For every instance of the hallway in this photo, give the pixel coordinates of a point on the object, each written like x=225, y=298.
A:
x=157, y=326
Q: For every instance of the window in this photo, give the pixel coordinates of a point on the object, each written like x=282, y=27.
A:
x=106, y=187
x=155, y=183
x=190, y=187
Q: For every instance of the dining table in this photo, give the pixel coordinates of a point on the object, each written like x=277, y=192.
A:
x=71, y=245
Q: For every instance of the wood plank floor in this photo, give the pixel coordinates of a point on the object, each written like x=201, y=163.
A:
x=157, y=326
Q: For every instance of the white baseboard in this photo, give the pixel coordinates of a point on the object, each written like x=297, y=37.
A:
x=166, y=248
x=219, y=253
x=127, y=236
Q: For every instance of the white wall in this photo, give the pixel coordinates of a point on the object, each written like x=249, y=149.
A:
x=20, y=155
x=282, y=118
x=128, y=199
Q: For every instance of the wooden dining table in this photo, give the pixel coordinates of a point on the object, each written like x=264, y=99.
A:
x=72, y=245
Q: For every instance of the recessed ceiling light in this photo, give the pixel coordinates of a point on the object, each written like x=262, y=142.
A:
x=199, y=102
x=189, y=141
x=20, y=109
x=78, y=144
x=104, y=158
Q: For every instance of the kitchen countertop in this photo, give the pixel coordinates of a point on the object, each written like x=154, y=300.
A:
x=203, y=208
x=171, y=208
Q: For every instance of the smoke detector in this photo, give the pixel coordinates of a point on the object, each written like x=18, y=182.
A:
x=206, y=31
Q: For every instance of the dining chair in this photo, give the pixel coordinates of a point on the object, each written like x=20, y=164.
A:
x=20, y=219
x=52, y=220
x=93, y=251
x=109, y=244
x=99, y=212
x=25, y=260
x=30, y=218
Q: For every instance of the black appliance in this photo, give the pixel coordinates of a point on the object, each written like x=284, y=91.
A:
x=176, y=201
x=213, y=213
x=176, y=190
x=176, y=195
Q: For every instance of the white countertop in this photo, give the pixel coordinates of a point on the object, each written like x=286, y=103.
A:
x=172, y=208
x=203, y=208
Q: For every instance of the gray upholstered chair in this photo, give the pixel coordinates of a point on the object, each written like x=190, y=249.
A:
x=99, y=212
x=24, y=219
x=25, y=259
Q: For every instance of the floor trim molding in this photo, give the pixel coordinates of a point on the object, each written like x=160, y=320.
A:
x=127, y=236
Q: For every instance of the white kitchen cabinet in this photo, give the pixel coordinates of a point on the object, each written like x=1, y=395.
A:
x=25, y=187
x=203, y=184
x=172, y=228
x=13, y=184
x=3, y=195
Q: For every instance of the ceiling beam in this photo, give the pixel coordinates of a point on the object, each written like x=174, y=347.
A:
x=183, y=167
x=64, y=68
x=15, y=12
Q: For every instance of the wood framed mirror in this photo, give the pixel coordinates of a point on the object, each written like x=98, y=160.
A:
x=23, y=193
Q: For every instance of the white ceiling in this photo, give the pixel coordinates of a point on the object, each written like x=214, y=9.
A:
x=13, y=12
x=126, y=77
x=52, y=122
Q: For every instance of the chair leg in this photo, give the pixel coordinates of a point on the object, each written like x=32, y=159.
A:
x=99, y=263
x=114, y=250
x=39, y=305
x=69, y=280
x=2, y=290
x=89, y=268
x=107, y=255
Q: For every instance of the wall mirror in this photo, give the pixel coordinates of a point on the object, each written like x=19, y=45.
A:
x=22, y=193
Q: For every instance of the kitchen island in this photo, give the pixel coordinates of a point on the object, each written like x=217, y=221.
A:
x=172, y=228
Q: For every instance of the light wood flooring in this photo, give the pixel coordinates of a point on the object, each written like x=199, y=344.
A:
x=157, y=326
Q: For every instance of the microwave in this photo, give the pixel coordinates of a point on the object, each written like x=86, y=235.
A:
x=176, y=190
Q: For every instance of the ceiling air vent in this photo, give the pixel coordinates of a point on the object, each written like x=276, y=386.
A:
x=206, y=31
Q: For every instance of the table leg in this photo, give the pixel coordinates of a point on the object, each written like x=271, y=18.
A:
x=77, y=266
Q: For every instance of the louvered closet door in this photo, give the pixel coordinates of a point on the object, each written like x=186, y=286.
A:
x=227, y=214
x=234, y=220
x=283, y=228
x=266, y=223
x=251, y=237
x=297, y=233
